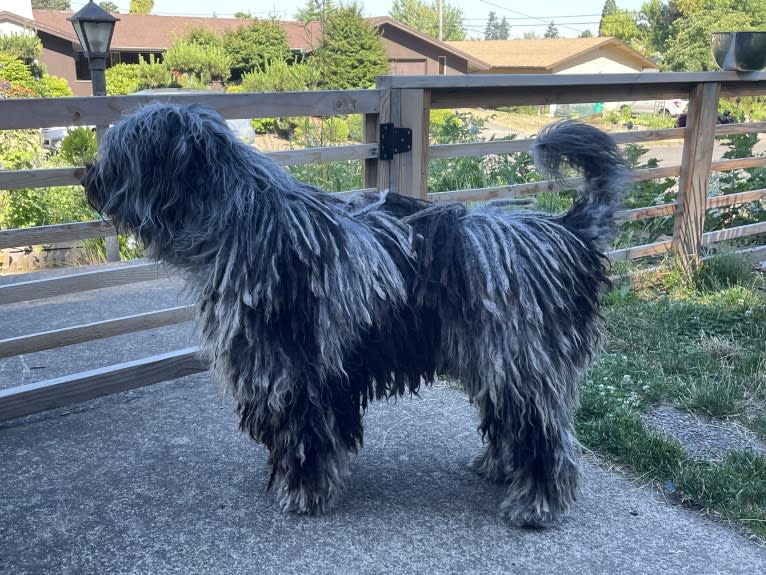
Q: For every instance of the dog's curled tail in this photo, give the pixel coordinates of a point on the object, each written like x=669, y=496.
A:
x=594, y=153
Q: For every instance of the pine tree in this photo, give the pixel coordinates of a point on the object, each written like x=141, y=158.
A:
x=352, y=54
x=489, y=31
x=503, y=29
x=551, y=31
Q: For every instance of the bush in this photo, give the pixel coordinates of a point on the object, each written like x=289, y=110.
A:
x=53, y=87
x=122, y=79
x=279, y=76
x=79, y=146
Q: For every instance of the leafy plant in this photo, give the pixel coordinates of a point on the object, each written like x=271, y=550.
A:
x=279, y=76
x=351, y=54
x=255, y=46
x=79, y=146
x=26, y=47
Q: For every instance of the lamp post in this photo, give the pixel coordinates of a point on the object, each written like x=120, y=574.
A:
x=94, y=27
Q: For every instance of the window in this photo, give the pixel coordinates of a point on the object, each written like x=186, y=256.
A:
x=442, y=65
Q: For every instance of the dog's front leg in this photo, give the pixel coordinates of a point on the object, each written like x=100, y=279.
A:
x=310, y=433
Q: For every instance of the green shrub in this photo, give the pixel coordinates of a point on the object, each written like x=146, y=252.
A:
x=25, y=47
x=53, y=87
x=122, y=79
x=279, y=76
x=79, y=146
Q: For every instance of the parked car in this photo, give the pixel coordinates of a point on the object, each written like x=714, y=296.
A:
x=673, y=108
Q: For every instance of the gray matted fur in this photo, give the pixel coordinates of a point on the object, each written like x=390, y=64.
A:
x=311, y=305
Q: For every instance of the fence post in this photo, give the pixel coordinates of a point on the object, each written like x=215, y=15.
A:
x=111, y=243
x=412, y=167
x=699, y=139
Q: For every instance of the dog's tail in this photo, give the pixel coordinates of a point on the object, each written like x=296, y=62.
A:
x=594, y=153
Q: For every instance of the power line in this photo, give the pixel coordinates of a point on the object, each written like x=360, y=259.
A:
x=543, y=20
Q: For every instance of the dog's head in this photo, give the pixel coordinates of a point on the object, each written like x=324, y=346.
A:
x=164, y=169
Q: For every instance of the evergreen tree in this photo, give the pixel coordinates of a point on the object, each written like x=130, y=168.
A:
x=489, y=31
x=503, y=29
x=586, y=34
x=496, y=29
x=254, y=46
x=351, y=54
x=110, y=7
x=552, y=31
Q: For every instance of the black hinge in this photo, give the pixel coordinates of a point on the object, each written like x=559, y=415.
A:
x=393, y=141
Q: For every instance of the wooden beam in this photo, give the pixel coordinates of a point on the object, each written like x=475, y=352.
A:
x=88, y=332
x=695, y=169
x=104, y=110
x=50, y=394
x=56, y=233
x=40, y=178
x=737, y=164
x=710, y=238
x=78, y=282
x=646, y=80
x=326, y=154
x=627, y=254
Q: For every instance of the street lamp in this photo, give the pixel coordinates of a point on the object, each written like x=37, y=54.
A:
x=94, y=27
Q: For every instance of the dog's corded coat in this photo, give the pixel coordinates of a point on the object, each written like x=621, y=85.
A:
x=311, y=305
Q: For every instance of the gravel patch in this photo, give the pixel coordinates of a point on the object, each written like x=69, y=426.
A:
x=703, y=437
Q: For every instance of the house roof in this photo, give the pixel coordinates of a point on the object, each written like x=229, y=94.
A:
x=544, y=53
x=449, y=47
x=156, y=33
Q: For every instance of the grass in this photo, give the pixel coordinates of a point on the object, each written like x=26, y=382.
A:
x=702, y=349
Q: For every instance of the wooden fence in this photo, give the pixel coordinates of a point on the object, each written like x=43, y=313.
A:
x=401, y=101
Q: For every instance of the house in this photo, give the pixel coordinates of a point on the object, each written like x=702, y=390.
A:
x=411, y=52
x=135, y=36
x=555, y=56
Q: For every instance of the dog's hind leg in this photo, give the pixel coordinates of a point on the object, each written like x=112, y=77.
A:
x=530, y=444
x=309, y=439
x=544, y=476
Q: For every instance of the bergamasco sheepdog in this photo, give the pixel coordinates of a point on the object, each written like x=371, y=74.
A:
x=312, y=304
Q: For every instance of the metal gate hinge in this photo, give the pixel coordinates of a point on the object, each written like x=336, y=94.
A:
x=393, y=141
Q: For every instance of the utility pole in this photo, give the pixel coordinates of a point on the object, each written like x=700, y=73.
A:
x=440, y=4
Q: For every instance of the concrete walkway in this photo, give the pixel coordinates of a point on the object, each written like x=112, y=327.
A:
x=158, y=480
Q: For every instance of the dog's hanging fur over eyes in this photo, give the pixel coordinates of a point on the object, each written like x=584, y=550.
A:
x=311, y=304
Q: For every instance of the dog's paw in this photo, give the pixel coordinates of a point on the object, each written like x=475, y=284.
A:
x=529, y=513
x=305, y=501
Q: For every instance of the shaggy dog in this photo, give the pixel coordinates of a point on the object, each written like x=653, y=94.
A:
x=312, y=304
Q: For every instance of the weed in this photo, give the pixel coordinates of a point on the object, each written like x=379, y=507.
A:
x=702, y=350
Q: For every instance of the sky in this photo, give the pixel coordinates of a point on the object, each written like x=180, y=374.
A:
x=522, y=17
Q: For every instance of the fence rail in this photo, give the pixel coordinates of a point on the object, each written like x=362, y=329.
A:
x=405, y=101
